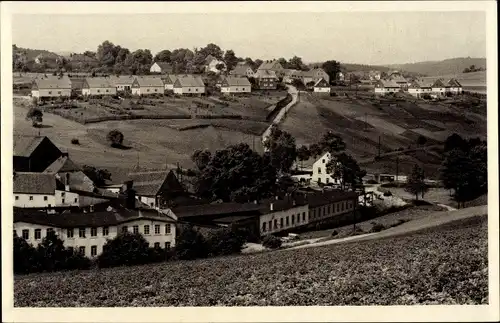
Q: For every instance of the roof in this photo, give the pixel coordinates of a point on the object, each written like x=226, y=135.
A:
x=234, y=218
x=237, y=81
x=453, y=83
x=285, y=203
x=397, y=78
x=62, y=164
x=122, y=79
x=149, y=183
x=53, y=82
x=291, y=72
x=311, y=72
x=34, y=183
x=24, y=146
x=77, y=83
x=328, y=196
x=150, y=81
x=269, y=65
x=77, y=181
x=322, y=83
x=439, y=83
x=170, y=79
x=388, y=84
x=114, y=214
x=164, y=65
x=265, y=74
x=240, y=69
x=99, y=82
x=422, y=83
x=188, y=80
x=215, y=209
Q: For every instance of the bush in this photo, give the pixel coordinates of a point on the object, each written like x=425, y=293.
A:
x=334, y=233
x=191, y=244
x=125, y=249
x=115, y=137
x=225, y=242
x=271, y=242
x=75, y=141
x=387, y=193
x=377, y=227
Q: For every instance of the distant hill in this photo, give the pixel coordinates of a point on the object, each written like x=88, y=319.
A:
x=30, y=54
x=363, y=68
x=445, y=67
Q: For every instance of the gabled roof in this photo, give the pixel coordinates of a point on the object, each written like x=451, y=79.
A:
x=240, y=69
x=150, y=81
x=292, y=72
x=421, y=84
x=235, y=81
x=24, y=146
x=216, y=209
x=270, y=65
x=312, y=72
x=170, y=79
x=322, y=83
x=164, y=66
x=53, y=82
x=62, y=164
x=265, y=74
x=209, y=59
x=34, y=183
x=439, y=83
x=122, y=79
x=78, y=181
x=453, y=83
x=387, y=84
x=397, y=78
x=188, y=80
x=99, y=82
x=149, y=183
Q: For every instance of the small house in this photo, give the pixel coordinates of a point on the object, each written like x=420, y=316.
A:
x=322, y=86
x=419, y=88
x=211, y=64
x=454, y=86
x=169, y=81
x=314, y=75
x=266, y=79
x=122, y=83
x=155, y=188
x=161, y=68
x=320, y=173
x=274, y=66
x=386, y=86
x=34, y=153
x=148, y=85
x=98, y=86
x=189, y=84
x=439, y=87
x=242, y=70
x=51, y=87
x=235, y=84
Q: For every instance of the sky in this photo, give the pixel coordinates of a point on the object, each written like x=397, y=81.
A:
x=375, y=38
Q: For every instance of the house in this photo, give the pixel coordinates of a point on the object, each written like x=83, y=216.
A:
x=419, y=88
x=41, y=190
x=51, y=87
x=385, y=86
x=98, y=86
x=122, y=83
x=314, y=75
x=242, y=70
x=266, y=79
x=320, y=173
x=374, y=75
x=156, y=188
x=322, y=86
x=235, y=84
x=49, y=58
x=341, y=77
x=290, y=75
x=283, y=215
x=439, y=87
x=454, y=86
x=34, y=153
x=147, y=85
x=88, y=232
x=69, y=173
x=169, y=81
x=161, y=68
x=189, y=84
x=331, y=206
x=77, y=85
x=211, y=64
x=274, y=66
x=398, y=78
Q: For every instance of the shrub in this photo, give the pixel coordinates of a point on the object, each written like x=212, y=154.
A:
x=125, y=249
x=75, y=141
x=225, y=242
x=271, y=242
x=334, y=233
x=387, y=193
x=377, y=227
x=191, y=244
x=115, y=137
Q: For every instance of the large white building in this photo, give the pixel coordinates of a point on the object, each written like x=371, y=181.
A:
x=189, y=84
x=235, y=84
x=320, y=173
x=98, y=86
x=51, y=87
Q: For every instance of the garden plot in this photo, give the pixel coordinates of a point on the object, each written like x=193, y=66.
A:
x=383, y=125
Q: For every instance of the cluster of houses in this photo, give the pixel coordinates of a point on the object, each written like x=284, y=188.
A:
x=395, y=82
x=52, y=193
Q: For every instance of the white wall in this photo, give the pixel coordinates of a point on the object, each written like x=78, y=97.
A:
x=299, y=210
x=322, y=89
x=99, y=91
x=146, y=90
x=37, y=200
x=235, y=89
x=51, y=93
x=320, y=174
x=65, y=198
x=152, y=237
x=151, y=201
x=189, y=90
x=333, y=209
x=155, y=68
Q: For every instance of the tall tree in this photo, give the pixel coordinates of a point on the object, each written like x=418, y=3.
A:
x=416, y=182
x=282, y=149
x=346, y=169
x=295, y=63
x=163, y=56
x=258, y=62
x=331, y=68
x=303, y=154
x=230, y=59
x=332, y=143
x=283, y=62
x=106, y=54
x=201, y=158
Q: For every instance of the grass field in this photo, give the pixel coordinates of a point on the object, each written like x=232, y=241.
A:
x=447, y=264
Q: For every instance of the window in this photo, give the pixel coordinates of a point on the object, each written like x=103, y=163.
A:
x=81, y=250
x=319, y=212
x=151, y=204
x=338, y=208
x=62, y=201
x=157, y=245
x=264, y=226
x=107, y=91
x=167, y=229
x=135, y=229
x=81, y=232
x=15, y=233
x=342, y=206
x=26, y=234
x=69, y=233
x=50, y=92
x=17, y=197
x=31, y=198
x=98, y=91
x=303, y=216
x=157, y=229
x=281, y=223
x=319, y=180
x=105, y=231
x=71, y=250
x=275, y=224
x=38, y=234
x=45, y=198
x=93, y=232
x=93, y=251
x=156, y=90
x=50, y=231
x=270, y=227
x=298, y=218
x=327, y=180
x=62, y=194
x=323, y=160
x=293, y=219
x=146, y=229
x=167, y=245
x=287, y=221
x=147, y=90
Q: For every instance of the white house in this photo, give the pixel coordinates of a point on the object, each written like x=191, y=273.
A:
x=154, y=187
x=283, y=215
x=189, y=84
x=235, y=84
x=454, y=86
x=385, y=86
x=88, y=232
x=314, y=76
x=147, y=85
x=320, y=174
x=169, y=81
x=274, y=66
x=161, y=68
x=211, y=64
x=51, y=87
x=122, y=83
x=98, y=86
x=242, y=70
x=419, y=88
x=439, y=87
x=322, y=86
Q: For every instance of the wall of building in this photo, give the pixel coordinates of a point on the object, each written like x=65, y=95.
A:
x=34, y=200
x=189, y=90
x=155, y=68
x=277, y=218
x=65, y=198
x=320, y=213
x=54, y=93
x=236, y=89
x=99, y=91
x=146, y=90
x=153, y=237
x=322, y=89
x=150, y=201
x=320, y=174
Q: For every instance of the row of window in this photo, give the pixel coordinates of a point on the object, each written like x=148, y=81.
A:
x=45, y=198
x=146, y=229
x=284, y=222
x=58, y=92
x=99, y=91
x=330, y=209
x=93, y=249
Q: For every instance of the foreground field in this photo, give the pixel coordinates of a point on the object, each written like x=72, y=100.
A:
x=441, y=265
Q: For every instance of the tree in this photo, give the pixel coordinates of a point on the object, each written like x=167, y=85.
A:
x=332, y=143
x=97, y=176
x=454, y=141
x=115, y=137
x=51, y=253
x=35, y=115
x=250, y=63
x=295, y=63
x=258, y=62
x=331, y=68
x=346, y=169
x=191, y=244
x=201, y=158
x=106, y=53
x=220, y=67
x=163, y=56
x=315, y=150
x=225, y=242
x=283, y=62
x=25, y=259
x=282, y=149
x=416, y=182
x=230, y=59
x=303, y=154
x=125, y=249
x=421, y=140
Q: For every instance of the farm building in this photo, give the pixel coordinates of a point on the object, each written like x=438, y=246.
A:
x=211, y=64
x=314, y=76
x=147, y=85
x=51, y=87
x=290, y=75
x=274, y=66
x=189, y=84
x=242, y=70
x=98, y=86
x=322, y=86
x=34, y=153
x=169, y=81
x=320, y=173
x=235, y=84
x=420, y=87
x=88, y=232
x=266, y=79
x=161, y=68
x=439, y=87
x=123, y=83
x=331, y=206
x=385, y=86
x=155, y=188
x=453, y=86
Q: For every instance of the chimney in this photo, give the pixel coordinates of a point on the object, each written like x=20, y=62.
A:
x=130, y=196
x=271, y=206
x=66, y=186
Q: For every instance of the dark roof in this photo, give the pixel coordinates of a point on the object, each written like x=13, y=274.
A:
x=320, y=198
x=77, y=181
x=53, y=82
x=233, y=219
x=34, y=183
x=149, y=183
x=284, y=203
x=24, y=146
x=215, y=209
x=62, y=164
x=164, y=66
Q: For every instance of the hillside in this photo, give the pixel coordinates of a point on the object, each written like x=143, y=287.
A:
x=363, y=68
x=447, y=66
x=28, y=53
